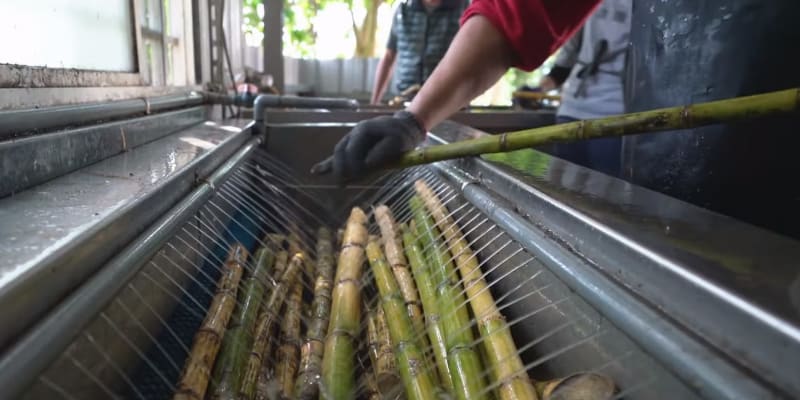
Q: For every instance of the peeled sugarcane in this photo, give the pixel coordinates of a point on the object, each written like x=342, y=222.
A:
x=384, y=366
x=503, y=360
x=238, y=341
x=581, y=386
x=427, y=292
x=463, y=360
x=338, y=369
x=417, y=380
x=394, y=254
x=269, y=313
x=194, y=379
x=288, y=352
x=682, y=117
x=307, y=386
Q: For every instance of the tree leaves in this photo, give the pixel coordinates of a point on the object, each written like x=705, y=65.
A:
x=299, y=34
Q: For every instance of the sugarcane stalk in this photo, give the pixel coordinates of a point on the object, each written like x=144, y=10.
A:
x=266, y=388
x=232, y=361
x=208, y=339
x=526, y=95
x=666, y=119
x=427, y=293
x=464, y=361
x=580, y=386
x=417, y=379
x=290, y=333
x=269, y=313
x=503, y=360
x=338, y=369
x=393, y=249
x=384, y=365
x=307, y=386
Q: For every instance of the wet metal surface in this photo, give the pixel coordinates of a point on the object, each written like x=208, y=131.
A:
x=54, y=234
x=30, y=161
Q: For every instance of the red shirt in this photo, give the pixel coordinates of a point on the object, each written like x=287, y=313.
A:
x=535, y=29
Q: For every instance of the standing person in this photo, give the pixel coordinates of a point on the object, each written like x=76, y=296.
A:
x=589, y=69
x=420, y=34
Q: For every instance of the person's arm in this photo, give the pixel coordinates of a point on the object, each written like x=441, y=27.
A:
x=382, y=75
x=478, y=56
x=495, y=35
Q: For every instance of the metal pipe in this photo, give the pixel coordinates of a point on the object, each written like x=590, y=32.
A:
x=701, y=368
x=15, y=122
x=264, y=101
x=28, y=358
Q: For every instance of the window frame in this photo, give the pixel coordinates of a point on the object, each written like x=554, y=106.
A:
x=31, y=77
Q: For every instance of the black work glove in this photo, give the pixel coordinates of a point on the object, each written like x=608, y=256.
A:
x=372, y=144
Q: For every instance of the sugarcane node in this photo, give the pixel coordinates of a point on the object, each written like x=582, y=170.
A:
x=485, y=320
x=341, y=332
x=503, y=142
x=686, y=115
x=351, y=281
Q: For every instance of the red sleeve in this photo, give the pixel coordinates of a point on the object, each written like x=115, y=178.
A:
x=534, y=28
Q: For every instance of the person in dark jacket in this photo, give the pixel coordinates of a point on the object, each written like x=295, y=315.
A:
x=421, y=32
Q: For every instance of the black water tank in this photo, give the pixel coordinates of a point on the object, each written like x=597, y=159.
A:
x=689, y=51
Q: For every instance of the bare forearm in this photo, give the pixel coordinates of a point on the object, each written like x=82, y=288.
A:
x=478, y=56
x=384, y=71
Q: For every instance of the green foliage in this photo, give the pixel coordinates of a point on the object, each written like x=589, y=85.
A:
x=299, y=35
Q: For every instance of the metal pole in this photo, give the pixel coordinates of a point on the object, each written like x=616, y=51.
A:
x=16, y=122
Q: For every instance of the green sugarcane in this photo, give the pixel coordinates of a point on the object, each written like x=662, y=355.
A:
x=501, y=355
x=427, y=293
x=267, y=317
x=230, y=365
x=673, y=118
x=338, y=361
x=463, y=359
x=307, y=385
x=417, y=379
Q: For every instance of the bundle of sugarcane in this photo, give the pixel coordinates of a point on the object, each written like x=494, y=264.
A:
x=288, y=356
x=730, y=110
x=581, y=386
x=427, y=292
x=417, y=379
x=393, y=249
x=194, y=379
x=338, y=361
x=307, y=386
x=267, y=317
x=503, y=360
x=230, y=365
x=464, y=361
x=384, y=367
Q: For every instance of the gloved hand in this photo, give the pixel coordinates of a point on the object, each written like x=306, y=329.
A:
x=372, y=144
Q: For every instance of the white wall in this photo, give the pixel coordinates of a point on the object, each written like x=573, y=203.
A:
x=88, y=34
